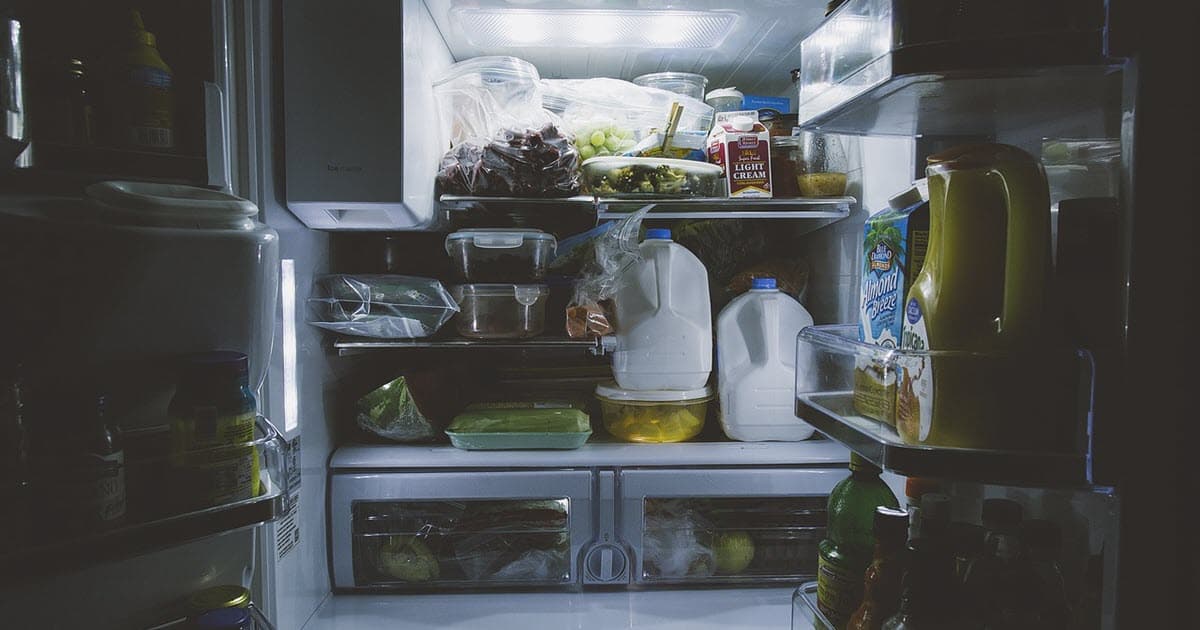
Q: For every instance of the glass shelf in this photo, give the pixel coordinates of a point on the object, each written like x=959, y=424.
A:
x=805, y=614
x=1024, y=422
x=666, y=209
x=153, y=519
x=348, y=347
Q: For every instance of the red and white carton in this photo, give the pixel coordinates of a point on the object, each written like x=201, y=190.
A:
x=741, y=145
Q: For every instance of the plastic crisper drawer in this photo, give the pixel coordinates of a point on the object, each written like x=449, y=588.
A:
x=459, y=531
x=749, y=526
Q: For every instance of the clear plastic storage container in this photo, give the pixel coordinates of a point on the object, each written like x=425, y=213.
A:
x=501, y=255
x=685, y=83
x=520, y=426
x=618, y=176
x=501, y=311
x=724, y=99
x=380, y=305
x=653, y=415
x=478, y=96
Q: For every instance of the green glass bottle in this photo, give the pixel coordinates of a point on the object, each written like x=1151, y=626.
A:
x=849, y=539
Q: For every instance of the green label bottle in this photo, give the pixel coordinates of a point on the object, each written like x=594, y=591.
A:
x=849, y=540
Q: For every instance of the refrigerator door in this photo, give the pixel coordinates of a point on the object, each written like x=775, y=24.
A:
x=750, y=526
x=446, y=531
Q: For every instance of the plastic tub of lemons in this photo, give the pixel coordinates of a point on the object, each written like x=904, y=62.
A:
x=653, y=416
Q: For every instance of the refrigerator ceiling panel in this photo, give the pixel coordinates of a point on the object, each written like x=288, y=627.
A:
x=761, y=46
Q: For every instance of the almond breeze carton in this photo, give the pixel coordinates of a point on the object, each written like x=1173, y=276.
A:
x=741, y=145
x=894, y=245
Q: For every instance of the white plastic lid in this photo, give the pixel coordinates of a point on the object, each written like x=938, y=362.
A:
x=500, y=238
x=611, y=391
x=742, y=123
x=723, y=93
x=144, y=203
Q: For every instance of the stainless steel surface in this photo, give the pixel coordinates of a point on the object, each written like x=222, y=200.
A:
x=12, y=93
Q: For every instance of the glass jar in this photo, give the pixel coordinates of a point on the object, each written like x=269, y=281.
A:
x=212, y=419
x=785, y=158
x=822, y=169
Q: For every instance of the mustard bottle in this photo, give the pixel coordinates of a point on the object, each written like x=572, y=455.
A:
x=144, y=107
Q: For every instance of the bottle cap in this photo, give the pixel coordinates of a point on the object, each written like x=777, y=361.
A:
x=742, y=123
x=213, y=366
x=658, y=234
x=908, y=198
x=858, y=462
x=1001, y=514
x=763, y=284
x=890, y=523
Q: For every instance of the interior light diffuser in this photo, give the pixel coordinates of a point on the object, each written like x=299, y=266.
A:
x=591, y=28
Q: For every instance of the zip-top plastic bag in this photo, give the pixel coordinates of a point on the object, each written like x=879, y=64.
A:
x=383, y=306
x=589, y=314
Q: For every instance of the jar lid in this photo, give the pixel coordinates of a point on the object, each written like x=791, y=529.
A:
x=223, y=619
x=723, y=93
x=499, y=238
x=612, y=391
x=223, y=596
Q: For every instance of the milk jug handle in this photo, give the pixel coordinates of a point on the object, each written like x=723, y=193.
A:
x=771, y=322
x=662, y=278
x=1026, y=205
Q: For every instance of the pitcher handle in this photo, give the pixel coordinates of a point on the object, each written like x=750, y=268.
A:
x=1027, y=215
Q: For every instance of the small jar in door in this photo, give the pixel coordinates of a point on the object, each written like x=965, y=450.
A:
x=823, y=166
x=79, y=463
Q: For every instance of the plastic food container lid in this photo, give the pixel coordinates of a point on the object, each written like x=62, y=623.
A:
x=608, y=162
x=526, y=294
x=664, y=77
x=611, y=391
x=724, y=93
x=493, y=69
x=499, y=238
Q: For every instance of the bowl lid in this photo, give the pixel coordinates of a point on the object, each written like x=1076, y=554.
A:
x=499, y=238
x=612, y=391
x=619, y=161
x=723, y=93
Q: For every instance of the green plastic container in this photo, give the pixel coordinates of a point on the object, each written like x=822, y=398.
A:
x=520, y=427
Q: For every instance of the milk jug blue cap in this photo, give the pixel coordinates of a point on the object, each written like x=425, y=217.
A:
x=658, y=233
x=763, y=283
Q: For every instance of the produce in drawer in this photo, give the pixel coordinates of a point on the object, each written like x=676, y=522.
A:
x=515, y=540
x=407, y=559
x=735, y=551
x=678, y=541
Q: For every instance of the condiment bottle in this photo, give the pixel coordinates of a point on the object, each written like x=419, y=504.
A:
x=922, y=605
x=846, y=550
x=212, y=430
x=881, y=583
x=80, y=463
x=142, y=92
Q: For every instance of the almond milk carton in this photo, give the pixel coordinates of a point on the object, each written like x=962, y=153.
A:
x=741, y=145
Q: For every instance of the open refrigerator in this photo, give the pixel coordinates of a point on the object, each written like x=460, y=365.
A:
x=323, y=114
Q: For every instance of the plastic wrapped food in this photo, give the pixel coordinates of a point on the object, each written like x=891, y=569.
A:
x=614, y=251
x=391, y=411
x=479, y=96
x=407, y=559
x=516, y=162
x=678, y=541
x=609, y=115
x=515, y=540
x=384, y=306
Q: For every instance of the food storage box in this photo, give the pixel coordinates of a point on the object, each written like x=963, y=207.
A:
x=520, y=426
x=501, y=255
x=380, y=305
x=500, y=311
x=637, y=177
x=685, y=83
x=653, y=415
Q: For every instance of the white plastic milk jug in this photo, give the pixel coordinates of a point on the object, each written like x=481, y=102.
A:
x=756, y=364
x=664, y=319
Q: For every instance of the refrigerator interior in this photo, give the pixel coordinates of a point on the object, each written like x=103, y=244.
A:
x=311, y=387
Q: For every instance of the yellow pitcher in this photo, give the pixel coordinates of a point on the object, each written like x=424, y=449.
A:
x=980, y=307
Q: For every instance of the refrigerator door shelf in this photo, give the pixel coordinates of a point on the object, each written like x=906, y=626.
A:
x=151, y=522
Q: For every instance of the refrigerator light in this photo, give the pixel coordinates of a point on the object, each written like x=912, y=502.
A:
x=587, y=28
x=291, y=399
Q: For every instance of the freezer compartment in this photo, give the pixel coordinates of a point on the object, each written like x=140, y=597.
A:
x=998, y=418
x=724, y=526
x=459, y=531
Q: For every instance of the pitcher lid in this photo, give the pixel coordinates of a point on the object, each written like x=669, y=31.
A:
x=966, y=156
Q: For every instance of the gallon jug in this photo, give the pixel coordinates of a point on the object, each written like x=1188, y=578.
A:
x=756, y=364
x=979, y=304
x=664, y=319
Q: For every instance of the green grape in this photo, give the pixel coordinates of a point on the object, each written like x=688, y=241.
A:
x=627, y=144
x=603, y=151
x=613, y=143
x=597, y=139
x=626, y=134
x=586, y=151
